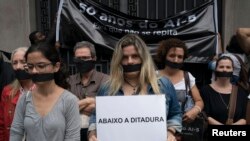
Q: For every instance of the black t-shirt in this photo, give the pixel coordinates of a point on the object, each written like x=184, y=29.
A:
x=215, y=104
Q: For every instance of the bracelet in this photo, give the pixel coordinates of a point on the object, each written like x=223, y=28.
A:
x=198, y=108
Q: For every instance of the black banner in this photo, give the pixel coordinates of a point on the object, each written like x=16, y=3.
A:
x=87, y=20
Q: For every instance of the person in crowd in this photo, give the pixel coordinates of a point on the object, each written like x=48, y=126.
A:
x=132, y=72
x=235, y=52
x=86, y=82
x=236, y=67
x=172, y=53
x=36, y=37
x=6, y=73
x=217, y=94
x=49, y=111
x=243, y=36
x=11, y=92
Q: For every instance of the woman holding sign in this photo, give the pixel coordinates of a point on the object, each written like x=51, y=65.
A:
x=133, y=73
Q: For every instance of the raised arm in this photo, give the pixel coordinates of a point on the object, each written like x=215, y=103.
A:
x=243, y=36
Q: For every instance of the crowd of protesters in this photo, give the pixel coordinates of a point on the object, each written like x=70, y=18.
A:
x=42, y=102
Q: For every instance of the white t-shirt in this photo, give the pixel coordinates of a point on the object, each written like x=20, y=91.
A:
x=180, y=88
x=181, y=85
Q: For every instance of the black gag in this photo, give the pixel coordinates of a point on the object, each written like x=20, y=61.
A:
x=223, y=74
x=132, y=68
x=42, y=77
x=173, y=64
x=84, y=66
x=22, y=75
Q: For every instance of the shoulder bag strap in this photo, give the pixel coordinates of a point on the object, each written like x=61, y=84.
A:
x=187, y=85
x=232, y=105
x=239, y=59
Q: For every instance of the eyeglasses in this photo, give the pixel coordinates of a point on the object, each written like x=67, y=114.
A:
x=40, y=67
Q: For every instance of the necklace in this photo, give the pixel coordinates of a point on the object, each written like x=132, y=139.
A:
x=133, y=86
x=226, y=105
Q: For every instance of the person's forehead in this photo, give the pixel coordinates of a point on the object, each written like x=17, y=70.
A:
x=225, y=62
x=36, y=57
x=83, y=51
x=18, y=54
x=176, y=49
x=129, y=49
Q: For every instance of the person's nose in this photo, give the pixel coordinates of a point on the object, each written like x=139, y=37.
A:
x=33, y=70
x=130, y=60
x=19, y=66
x=176, y=59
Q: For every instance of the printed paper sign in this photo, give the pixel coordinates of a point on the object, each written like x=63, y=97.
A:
x=131, y=118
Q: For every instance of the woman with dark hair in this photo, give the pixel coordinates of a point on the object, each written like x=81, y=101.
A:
x=217, y=94
x=49, y=111
x=36, y=37
x=172, y=53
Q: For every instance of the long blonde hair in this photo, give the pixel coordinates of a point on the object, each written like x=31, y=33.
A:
x=15, y=85
x=147, y=73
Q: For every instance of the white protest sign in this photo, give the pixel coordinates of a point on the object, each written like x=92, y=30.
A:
x=131, y=118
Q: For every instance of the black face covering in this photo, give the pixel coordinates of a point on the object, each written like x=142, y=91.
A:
x=84, y=66
x=42, y=77
x=174, y=65
x=131, y=68
x=223, y=74
x=22, y=75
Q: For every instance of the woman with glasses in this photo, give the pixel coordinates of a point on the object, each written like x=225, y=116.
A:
x=12, y=92
x=49, y=112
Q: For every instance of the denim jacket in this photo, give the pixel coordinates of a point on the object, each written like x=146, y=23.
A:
x=173, y=110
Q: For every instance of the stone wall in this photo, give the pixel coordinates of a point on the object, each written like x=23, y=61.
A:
x=235, y=15
x=17, y=19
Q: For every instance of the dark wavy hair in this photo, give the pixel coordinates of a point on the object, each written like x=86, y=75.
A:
x=166, y=45
x=49, y=51
x=234, y=46
x=32, y=37
x=224, y=58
